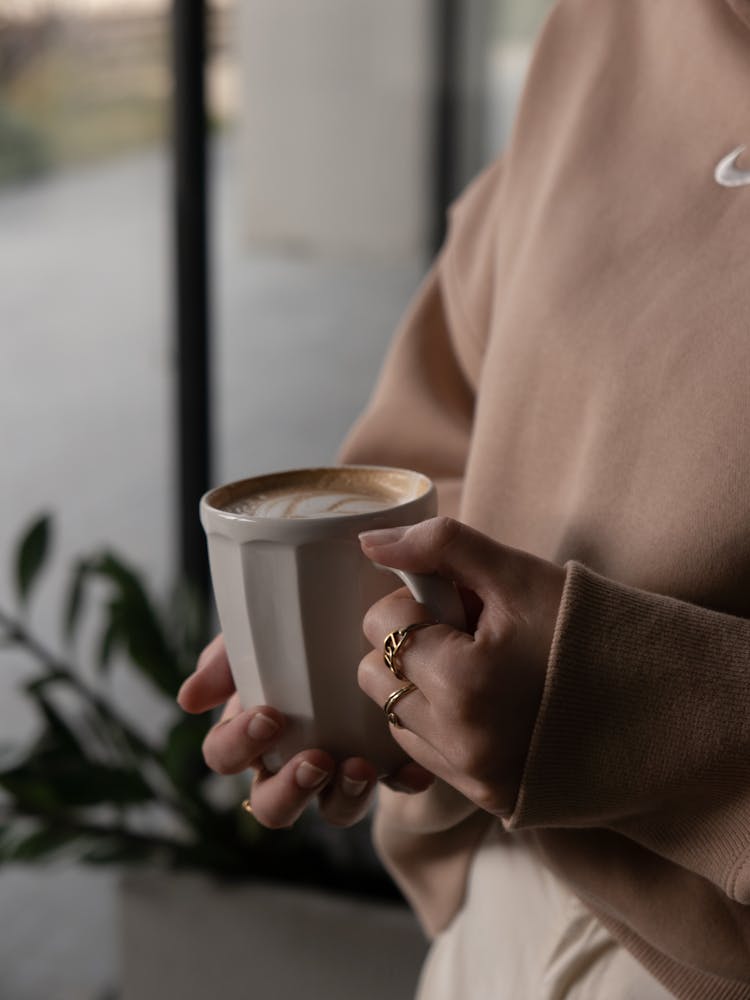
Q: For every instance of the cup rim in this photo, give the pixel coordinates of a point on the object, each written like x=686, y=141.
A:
x=226, y=491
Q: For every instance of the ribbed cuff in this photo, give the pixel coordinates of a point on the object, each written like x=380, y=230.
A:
x=643, y=727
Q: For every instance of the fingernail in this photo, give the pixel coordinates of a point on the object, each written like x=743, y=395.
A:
x=308, y=776
x=262, y=727
x=383, y=536
x=351, y=787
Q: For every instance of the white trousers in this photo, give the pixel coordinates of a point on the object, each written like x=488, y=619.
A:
x=522, y=935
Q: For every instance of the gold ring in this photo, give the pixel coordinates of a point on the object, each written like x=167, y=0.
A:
x=245, y=804
x=393, y=643
x=393, y=698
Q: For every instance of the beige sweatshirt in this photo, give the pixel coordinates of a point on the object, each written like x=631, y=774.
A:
x=576, y=369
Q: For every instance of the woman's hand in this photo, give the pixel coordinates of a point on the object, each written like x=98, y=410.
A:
x=241, y=738
x=471, y=718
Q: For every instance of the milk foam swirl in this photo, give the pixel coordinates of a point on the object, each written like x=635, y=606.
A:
x=307, y=502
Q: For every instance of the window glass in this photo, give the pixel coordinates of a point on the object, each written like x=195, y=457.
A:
x=85, y=392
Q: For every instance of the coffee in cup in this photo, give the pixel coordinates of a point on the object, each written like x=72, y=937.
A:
x=306, y=493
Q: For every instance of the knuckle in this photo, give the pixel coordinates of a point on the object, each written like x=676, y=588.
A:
x=368, y=672
x=379, y=616
x=216, y=757
x=444, y=531
x=370, y=622
x=212, y=759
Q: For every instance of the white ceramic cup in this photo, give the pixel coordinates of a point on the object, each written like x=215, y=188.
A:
x=291, y=593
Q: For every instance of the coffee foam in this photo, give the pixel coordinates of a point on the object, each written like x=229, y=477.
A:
x=291, y=502
x=310, y=493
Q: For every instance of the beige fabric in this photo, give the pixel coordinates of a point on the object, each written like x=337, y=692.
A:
x=579, y=360
x=524, y=936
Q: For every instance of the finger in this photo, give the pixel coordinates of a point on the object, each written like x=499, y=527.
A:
x=439, y=545
x=211, y=684
x=416, y=733
x=232, y=708
x=430, y=657
x=278, y=800
x=347, y=798
x=396, y=610
x=236, y=743
x=378, y=683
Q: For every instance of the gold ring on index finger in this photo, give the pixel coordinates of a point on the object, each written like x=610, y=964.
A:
x=393, y=643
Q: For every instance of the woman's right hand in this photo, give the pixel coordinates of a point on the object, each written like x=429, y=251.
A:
x=242, y=736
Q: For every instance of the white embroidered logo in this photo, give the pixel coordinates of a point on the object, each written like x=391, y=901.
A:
x=727, y=172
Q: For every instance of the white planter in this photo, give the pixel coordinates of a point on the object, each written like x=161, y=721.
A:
x=184, y=937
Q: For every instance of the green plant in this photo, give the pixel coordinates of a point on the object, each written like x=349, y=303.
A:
x=91, y=785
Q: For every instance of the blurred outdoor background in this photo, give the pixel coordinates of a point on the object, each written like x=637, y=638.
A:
x=323, y=216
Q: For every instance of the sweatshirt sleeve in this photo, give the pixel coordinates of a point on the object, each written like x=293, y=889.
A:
x=644, y=733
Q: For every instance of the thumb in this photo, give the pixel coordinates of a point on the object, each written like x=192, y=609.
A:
x=440, y=545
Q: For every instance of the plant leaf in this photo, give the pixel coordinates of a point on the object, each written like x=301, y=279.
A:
x=108, y=640
x=135, y=626
x=58, y=783
x=74, y=603
x=59, y=731
x=57, y=773
x=31, y=555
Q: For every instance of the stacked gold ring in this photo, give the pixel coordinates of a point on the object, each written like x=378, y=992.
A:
x=391, y=701
x=393, y=643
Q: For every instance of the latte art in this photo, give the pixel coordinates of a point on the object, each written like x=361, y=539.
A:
x=336, y=491
x=307, y=502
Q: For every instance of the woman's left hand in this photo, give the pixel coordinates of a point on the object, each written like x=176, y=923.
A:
x=471, y=718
